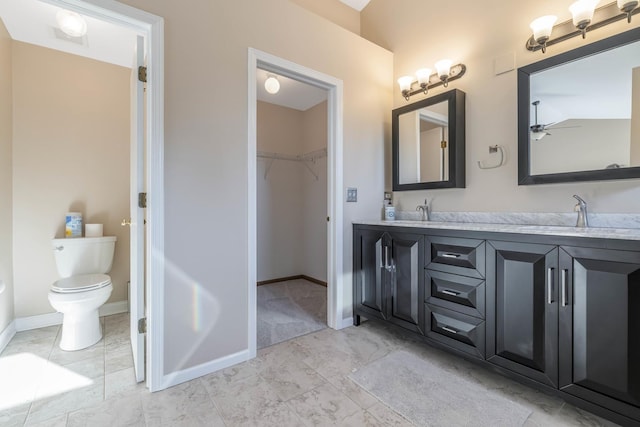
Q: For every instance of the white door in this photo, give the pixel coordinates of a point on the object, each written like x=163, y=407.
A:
x=136, y=287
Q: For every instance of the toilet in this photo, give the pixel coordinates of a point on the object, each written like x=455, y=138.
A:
x=83, y=288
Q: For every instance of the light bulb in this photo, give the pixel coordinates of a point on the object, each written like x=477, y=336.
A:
x=405, y=83
x=542, y=28
x=443, y=67
x=71, y=23
x=423, y=75
x=272, y=85
x=582, y=12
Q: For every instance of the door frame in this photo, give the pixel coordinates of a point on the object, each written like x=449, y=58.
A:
x=151, y=27
x=335, y=280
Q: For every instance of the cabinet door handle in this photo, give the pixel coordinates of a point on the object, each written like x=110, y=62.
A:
x=564, y=290
x=453, y=331
x=550, y=285
x=452, y=293
x=387, y=266
x=449, y=255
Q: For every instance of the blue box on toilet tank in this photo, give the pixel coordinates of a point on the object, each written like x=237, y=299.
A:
x=73, y=225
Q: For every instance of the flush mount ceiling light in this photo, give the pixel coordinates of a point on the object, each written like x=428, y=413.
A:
x=585, y=17
x=272, y=85
x=445, y=72
x=71, y=23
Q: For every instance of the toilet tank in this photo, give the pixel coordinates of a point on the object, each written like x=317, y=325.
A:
x=84, y=255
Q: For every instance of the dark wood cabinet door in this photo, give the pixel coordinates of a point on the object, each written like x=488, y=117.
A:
x=405, y=280
x=369, y=271
x=522, y=309
x=600, y=327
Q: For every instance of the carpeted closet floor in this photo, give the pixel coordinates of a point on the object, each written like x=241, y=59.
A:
x=290, y=309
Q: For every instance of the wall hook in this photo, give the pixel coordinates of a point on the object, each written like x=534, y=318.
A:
x=493, y=149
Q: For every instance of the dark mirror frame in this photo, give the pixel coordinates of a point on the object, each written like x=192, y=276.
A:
x=456, y=141
x=524, y=111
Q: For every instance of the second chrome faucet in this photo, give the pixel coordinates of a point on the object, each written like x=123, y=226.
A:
x=581, y=208
x=425, y=210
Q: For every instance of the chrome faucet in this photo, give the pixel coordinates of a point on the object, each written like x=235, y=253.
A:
x=581, y=208
x=425, y=210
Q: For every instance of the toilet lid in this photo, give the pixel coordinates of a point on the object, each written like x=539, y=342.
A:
x=83, y=282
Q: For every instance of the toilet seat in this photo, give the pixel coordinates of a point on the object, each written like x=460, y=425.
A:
x=81, y=283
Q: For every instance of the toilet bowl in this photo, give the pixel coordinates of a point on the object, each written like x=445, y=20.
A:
x=83, y=289
x=78, y=298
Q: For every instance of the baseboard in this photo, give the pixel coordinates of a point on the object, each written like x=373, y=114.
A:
x=198, y=371
x=297, y=277
x=114, y=308
x=7, y=334
x=52, y=319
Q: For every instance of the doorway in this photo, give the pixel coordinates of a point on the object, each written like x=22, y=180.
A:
x=150, y=141
x=334, y=255
x=292, y=208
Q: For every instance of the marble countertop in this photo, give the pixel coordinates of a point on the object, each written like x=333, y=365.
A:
x=592, y=232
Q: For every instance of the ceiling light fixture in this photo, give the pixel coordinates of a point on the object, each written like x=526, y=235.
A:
x=272, y=85
x=445, y=72
x=71, y=23
x=585, y=17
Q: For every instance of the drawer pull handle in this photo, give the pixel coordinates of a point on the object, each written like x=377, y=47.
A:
x=452, y=293
x=453, y=331
x=550, y=286
x=564, y=290
x=448, y=255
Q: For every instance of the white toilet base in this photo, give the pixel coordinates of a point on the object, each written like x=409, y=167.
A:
x=80, y=330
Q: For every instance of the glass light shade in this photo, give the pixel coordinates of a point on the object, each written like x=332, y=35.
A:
x=71, y=23
x=443, y=67
x=582, y=12
x=627, y=5
x=272, y=85
x=405, y=83
x=542, y=27
x=423, y=75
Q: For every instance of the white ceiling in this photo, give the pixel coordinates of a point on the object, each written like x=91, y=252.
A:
x=356, y=4
x=292, y=94
x=34, y=22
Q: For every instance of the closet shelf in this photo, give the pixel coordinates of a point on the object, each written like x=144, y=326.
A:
x=306, y=158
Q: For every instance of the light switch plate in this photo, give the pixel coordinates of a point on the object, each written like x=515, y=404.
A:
x=352, y=194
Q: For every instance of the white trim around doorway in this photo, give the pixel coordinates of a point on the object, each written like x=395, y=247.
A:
x=334, y=86
x=152, y=28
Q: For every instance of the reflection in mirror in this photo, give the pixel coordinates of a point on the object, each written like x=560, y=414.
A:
x=423, y=144
x=581, y=110
x=428, y=143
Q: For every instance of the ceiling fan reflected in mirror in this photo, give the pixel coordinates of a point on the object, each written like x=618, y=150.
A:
x=539, y=130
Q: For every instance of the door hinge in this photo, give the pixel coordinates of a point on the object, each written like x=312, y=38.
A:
x=142, y=200
x=142, y=74
x=142, y=325
x=443, y=144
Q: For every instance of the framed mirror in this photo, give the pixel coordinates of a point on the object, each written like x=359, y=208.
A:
x=579, y=114
x=428, y=139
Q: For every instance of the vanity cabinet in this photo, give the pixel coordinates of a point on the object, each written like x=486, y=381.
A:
x=523, y=309
x=388, y=268
x=561, y=311
x=599, y=341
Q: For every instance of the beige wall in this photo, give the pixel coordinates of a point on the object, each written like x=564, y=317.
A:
x=314, y=197
x=70, y=153
x=335, y=11
x=6, y=225
x=206, y=164
x=477, y=33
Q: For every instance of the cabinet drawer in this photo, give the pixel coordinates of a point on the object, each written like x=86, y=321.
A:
x=462, y=332
x=456, y=255
x=459, y=293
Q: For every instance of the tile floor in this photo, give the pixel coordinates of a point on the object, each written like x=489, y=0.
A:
x=301, y=382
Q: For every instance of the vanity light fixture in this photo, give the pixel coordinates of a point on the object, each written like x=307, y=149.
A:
x=585, y=17
x=71, y=23
x=272, y=85
x=445, y=72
